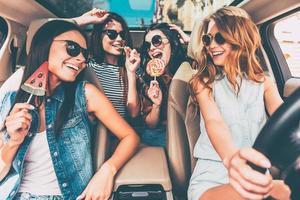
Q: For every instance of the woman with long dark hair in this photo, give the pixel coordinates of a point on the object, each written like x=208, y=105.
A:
x=113, y=59
x=161, y=41
x=45, y=146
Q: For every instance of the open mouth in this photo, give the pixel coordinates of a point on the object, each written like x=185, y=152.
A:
x=217, y=53
x=118, y=46
x=72, y=67
x=157, y=55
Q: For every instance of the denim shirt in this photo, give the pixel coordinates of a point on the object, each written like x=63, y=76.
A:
x=70, y=151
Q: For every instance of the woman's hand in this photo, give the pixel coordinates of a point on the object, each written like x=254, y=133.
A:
x=249, y=183
x=100, y=186
x=94, y=16
x=18, y=122
x=155, y=93
x=133, y=60
x=184, y=38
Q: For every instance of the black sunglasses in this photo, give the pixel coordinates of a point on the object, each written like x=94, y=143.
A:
x=113, y=34
x=156, y=41
x=74, y=49
x=208, y=38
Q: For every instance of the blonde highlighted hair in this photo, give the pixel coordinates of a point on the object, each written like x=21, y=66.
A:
x=241, y=33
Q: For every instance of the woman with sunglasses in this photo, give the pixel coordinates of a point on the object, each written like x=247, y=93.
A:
x=232, y=92
x=45, y=146
x=113, y=59
x=160, y=41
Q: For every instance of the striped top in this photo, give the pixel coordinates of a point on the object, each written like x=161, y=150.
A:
x=112, y=83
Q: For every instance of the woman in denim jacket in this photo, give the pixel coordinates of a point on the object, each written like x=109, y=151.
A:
x=45, y=146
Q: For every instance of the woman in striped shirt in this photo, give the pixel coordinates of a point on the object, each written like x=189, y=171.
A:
x=114, y=60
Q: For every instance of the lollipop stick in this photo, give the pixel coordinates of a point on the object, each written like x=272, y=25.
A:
x=154, y=78
x=30, y=97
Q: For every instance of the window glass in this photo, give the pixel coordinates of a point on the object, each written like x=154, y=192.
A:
x=287, y=33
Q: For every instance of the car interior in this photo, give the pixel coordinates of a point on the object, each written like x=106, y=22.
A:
x=153, y=172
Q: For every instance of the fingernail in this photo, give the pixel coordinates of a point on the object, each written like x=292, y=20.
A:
x=265, y=163
x=31, y=107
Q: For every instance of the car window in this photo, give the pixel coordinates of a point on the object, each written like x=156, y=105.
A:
x=287, y=33
x=3, y=31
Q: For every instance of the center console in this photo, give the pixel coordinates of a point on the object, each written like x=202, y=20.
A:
x=145, y=176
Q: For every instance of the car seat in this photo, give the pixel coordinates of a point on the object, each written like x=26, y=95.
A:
x=183, y=129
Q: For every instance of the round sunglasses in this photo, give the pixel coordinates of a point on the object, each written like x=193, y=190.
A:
x=208, y=38
x=113, y=34
x=74, y=49
x=156, y=41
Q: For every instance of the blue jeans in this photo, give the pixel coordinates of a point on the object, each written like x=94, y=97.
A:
x=28, y=196
x=154, y=137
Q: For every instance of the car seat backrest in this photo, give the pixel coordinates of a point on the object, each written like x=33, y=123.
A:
x=183, y=129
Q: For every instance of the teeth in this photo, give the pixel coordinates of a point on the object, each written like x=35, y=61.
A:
x=118, y=46
x=216, y=53
x=73, y=67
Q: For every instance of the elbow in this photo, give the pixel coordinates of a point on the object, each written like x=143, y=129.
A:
x=133, y=110
x=134, y=114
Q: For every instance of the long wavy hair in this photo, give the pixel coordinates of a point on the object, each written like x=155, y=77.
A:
x=38, y=54
x=241, y=33
x=97, y=51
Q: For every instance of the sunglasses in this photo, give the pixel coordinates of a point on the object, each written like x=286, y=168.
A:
x=113, y=34
x=155, y=41
x=208, y=38
x=74, y=49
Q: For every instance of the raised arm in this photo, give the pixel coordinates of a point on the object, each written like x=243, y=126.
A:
x=99, y=105
x=94, y=16
x=133, y=61
x=155, y=94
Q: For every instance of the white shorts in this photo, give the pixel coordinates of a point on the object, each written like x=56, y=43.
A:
x=207, y=174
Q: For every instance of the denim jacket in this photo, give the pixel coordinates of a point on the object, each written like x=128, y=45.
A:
x=70, y=152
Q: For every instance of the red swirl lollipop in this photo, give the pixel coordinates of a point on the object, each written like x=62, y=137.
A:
x=155, y=67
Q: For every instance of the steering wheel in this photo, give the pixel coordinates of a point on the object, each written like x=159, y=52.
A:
x=279, y=140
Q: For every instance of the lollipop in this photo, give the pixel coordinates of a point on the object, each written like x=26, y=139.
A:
x=36, y=84
x=155, y=67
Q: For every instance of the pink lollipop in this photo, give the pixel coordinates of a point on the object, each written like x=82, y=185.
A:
x=155, y=67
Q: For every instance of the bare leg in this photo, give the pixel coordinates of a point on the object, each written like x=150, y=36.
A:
x=222, y=192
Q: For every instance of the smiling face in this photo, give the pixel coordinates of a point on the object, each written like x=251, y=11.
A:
x=62, y=65
x=162, y=51
x=112, y=44
x=218, y=52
